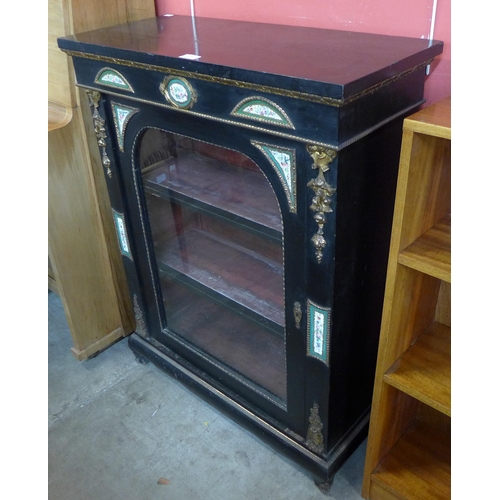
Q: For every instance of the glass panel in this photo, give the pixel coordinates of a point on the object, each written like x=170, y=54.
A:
x=217, y=234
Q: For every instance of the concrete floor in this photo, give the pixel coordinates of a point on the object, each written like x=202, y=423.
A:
x=117, y=428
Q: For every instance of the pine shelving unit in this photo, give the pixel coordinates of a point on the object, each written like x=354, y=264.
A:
x=408, y=454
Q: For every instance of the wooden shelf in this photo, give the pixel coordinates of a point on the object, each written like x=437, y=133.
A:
x=231, y=273
x=233, y=340
x=234, y=193
x=417, y=467
x=424, y=370
x=431, y=252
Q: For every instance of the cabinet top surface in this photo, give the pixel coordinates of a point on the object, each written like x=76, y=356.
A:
x=344, y=62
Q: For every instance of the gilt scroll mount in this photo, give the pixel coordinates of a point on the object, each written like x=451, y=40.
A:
x=314, y=440
x=100, y=129
x=322, y=157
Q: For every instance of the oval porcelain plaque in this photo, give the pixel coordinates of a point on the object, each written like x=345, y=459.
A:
x=178, y=92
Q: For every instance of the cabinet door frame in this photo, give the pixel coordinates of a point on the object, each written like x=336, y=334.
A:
x=294, y=415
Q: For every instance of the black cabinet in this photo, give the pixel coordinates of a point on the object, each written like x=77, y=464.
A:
x=252, y=171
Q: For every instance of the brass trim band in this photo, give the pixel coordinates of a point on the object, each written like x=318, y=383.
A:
x=329, y=101
x=277, y=133
x=211, y=117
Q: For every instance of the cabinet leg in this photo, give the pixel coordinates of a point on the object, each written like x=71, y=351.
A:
x=325, y=486
x=140, y=358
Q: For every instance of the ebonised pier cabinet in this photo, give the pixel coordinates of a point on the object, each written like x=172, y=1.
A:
x=252, y=172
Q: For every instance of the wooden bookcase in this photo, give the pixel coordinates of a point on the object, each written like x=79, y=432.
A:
x=84, y=264
x=408, y=454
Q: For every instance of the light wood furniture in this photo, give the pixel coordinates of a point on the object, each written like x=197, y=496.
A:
x=408, y=454
x=85, y=267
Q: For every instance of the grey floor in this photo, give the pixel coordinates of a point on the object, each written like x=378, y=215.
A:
x=122, y=430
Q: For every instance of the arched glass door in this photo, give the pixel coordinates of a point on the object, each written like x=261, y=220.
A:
x=217, y=233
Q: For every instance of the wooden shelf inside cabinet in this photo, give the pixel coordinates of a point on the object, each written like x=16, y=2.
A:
x=232, y=274
x=255, y=353
x=408, y=452
x=217, y=188
x=218, y=246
